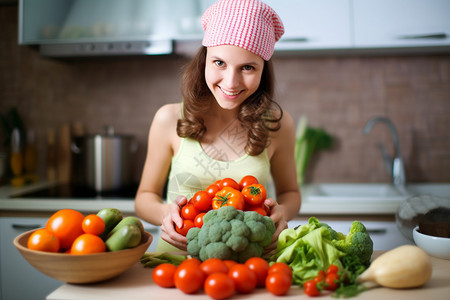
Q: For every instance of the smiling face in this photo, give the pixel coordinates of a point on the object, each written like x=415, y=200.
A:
x=232, y=74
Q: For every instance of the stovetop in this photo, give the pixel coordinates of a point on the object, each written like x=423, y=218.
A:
x=79, y=192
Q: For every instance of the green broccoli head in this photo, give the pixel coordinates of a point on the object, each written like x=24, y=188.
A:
x=357, y=243
x=228, y=233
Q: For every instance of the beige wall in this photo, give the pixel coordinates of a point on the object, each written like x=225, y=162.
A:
x=338, y=93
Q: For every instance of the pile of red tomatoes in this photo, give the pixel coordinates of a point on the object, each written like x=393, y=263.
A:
x=247, y=195
x=221, y=279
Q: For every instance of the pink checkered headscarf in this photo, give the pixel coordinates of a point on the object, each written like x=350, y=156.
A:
x=249, y=24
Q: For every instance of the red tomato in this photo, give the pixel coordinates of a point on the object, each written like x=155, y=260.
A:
x=219, y=286
x=87, y=244
x=65, y=224
x=212, y=190
x=332, y=269
x=43, y=240
x=189, y=212
x=202, y=200
x=247, y=180
x=191, y=261
x=228, y=197
x=93, y=224
x=187, y=224
x=244, y=278
x=229, y=182
x=320, y=276
x=198, y=221
x=213, y=265
x=254, y=194
x=331, y=281
x=163, y=275
x=278, y=283
x=230, y=263
x=260, y=209
x=280, y=267
x=310, y=288
x=260, y=267
x=189, y=277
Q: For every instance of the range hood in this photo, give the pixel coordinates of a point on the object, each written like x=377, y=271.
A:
x=68, y=28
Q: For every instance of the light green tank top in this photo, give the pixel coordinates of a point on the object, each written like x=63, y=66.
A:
x=193, y=170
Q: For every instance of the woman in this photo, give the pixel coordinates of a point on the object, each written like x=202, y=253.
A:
x=227, y=125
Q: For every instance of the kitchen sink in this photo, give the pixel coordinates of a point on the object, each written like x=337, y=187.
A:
x=379, y=192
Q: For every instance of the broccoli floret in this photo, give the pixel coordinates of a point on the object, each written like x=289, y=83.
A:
x=252, y=216
x=210, y=214
x=228, y=233
x=228, y=213
x=357, y=243
x=218, y=250
x=334, y=234
x=237, y=243
x=192, y=233
x=193, y=247
x=257, y=231
x=252, y=250
x=239, y=228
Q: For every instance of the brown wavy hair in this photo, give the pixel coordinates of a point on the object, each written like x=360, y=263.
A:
x=258, y=115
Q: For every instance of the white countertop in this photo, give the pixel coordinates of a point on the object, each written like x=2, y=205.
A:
x=310, y=205
x=51, y=204
x=136, y=283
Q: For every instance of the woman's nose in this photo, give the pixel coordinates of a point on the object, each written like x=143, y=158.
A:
x=232, y=78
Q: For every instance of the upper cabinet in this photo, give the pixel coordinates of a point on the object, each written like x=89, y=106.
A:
x=401, y=23
x=363, y=24
x=313, y=24
x=143, y=27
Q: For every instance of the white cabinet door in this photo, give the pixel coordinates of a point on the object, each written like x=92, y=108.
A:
x=318, y=24
x=401, y=23
x=19, y=280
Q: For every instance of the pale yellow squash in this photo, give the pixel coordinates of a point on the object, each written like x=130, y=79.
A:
x=403, y=267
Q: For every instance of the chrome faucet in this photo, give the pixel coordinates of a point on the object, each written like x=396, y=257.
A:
x=394, y=166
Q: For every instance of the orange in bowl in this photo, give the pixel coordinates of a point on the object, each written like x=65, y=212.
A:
x=85, y=268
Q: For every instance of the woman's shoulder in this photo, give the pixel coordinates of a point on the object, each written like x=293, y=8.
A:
x=287, y=120
x=168, y=113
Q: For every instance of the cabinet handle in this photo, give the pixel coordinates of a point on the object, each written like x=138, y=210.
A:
x=423, y=36
x=25, y=226
x=295, y=40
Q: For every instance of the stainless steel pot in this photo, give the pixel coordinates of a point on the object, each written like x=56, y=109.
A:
x=103, y=161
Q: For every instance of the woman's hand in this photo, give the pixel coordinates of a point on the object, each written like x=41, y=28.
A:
x=278, y=217
x=172, y=219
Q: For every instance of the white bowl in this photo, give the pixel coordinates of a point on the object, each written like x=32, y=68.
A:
x=433, y=245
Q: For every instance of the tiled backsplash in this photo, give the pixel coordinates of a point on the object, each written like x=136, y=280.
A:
x=337, y=93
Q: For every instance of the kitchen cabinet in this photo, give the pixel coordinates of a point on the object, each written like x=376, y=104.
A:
x=401, y=23
x=313, y=24
x=352, y=25
x=19, y=280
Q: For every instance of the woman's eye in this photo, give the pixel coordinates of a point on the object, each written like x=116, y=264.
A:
x=219, y=63
x=248, y=68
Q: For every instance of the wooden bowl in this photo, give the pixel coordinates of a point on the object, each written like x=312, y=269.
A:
x=81, y=268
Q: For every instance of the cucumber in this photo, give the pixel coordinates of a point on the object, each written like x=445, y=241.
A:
x=125, y=221
x=112, y=217
x=127, y=236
